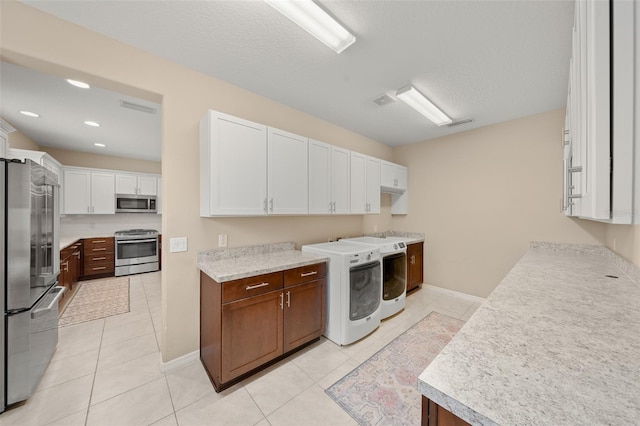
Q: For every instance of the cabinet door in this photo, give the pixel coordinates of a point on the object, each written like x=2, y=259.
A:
x=358, y=183
x=159, y=195
x=387, y=174
x=304, y=313
x=320, y=201
x=415, y=262
x=126, y=184
x=233, y=166
x=340, y=186
x=373, y=185
x=103, y=193
x=77, y=192
x=287, y=171
x=251, y=333
x=147, y=185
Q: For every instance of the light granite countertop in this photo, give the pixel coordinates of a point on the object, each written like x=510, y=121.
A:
x=556, y=343
x=241, y=262
x=408, y=237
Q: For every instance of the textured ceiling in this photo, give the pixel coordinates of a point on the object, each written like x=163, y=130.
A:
x=487, y=60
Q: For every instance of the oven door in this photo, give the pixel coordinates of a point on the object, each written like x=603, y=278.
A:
x=365, y=290
x=394, y=275
x=134, y=252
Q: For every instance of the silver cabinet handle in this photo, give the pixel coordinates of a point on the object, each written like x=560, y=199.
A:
x=575, y=169
x=307, y=274
x=98, y=268
x=66, y=266
x=281, y=301
x=98, y=241
x=265, y=206
x=288, y=299
x=99, y=249
x=96, y=259
x=271, y=205
x=251, y=287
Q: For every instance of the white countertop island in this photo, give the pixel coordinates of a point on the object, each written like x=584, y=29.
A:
x=556, y=343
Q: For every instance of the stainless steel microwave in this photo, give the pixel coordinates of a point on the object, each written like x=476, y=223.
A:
x=126, y=203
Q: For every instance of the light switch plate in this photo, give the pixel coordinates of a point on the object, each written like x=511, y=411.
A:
x=222, y=240
x=178, y=244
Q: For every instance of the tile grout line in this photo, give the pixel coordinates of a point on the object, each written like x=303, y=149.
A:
x=95, y=373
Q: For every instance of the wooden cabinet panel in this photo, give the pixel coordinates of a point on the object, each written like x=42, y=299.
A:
x=435, y=415
x=304, y=313
x=415, y=265
x=99, y=257
x=252, y=286
x=251, y=333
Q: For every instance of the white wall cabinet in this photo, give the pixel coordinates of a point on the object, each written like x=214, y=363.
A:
x=599, y=145
x=133, y=184
x=233, y=166
x=287, y=173
x=393, y=177
x=88, y=192
x=328, y=178
x=364, y=184
x=159, y=192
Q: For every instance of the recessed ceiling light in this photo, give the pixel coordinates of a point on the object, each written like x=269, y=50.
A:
x=92, y=123
x=101, y=145
x=29, y=114
x=80, y=84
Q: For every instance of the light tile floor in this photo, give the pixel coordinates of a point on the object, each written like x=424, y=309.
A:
x=107, y=372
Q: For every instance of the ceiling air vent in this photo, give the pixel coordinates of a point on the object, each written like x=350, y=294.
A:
x=137, y=107
x=383, y=100
x=457, y=123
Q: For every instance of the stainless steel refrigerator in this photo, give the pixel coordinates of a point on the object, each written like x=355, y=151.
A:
x=29, y=267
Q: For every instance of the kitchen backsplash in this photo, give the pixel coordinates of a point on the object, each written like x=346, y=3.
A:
x=94, y=225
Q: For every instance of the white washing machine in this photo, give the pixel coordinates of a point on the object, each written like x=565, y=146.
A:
x=354, y=289
x=394, y=272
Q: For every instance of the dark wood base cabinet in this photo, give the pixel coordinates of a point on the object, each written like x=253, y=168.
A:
x=415, y=261
x=249, y=323
x=435, y=415
x=99, y=258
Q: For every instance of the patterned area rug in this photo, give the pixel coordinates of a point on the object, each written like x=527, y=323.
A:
x=97, y=299
x=383, y=389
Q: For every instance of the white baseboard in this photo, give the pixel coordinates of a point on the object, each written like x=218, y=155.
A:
x=179, y=362
x=455, y=293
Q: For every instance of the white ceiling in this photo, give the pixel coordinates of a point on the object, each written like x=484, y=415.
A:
x=491, y=61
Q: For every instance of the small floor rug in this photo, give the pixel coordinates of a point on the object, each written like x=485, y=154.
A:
x=383, y=389
x=97, y=299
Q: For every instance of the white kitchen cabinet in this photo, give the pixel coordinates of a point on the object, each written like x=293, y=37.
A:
x=393, y=177
x=42, y=158
x=599, y=147
x=328, y=178
x=233, y=166
x=5, y=129
x=88, y=192
x=364, y=184
x=133, y=184
x=287, y=173
x=159, y=192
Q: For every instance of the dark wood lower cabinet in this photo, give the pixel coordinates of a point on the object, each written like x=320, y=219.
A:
x=249, y=323
x=415, y=268
x=435, y=415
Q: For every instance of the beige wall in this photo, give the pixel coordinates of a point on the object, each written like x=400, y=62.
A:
x=625, y=240
x=87, y=159
x=481, y=196
x=40, y=41
x=19, y=140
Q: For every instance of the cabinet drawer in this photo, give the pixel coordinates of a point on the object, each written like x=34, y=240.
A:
x=252, y=286
x=98, y=245
x=98, y=269
x=95, y=258
x=305, y=273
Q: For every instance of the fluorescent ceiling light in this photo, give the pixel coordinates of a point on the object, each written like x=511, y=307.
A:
x=420, y=103
x=316, y=22
x=29, y=114
x=92, y=123
x=80, y=84
x=101, y=145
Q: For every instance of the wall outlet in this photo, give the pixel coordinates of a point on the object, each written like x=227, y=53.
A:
x=222, y=240
x=178, y=244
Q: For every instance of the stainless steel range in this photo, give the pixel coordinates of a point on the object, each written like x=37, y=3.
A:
x=136, y=251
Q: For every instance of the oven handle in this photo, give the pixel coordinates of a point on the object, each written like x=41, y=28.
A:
x=39, y=312
x=151, y=240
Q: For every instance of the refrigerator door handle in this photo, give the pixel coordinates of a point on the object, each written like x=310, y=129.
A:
x=39, y=312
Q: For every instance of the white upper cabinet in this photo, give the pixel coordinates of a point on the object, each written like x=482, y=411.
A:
x=132, y=184
x=287, y=173
x=365, y=184
x=88, y=192
x=328, y=178
x=233, y=166
x=393, y=177
x=598, y=140
x=159, y=191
